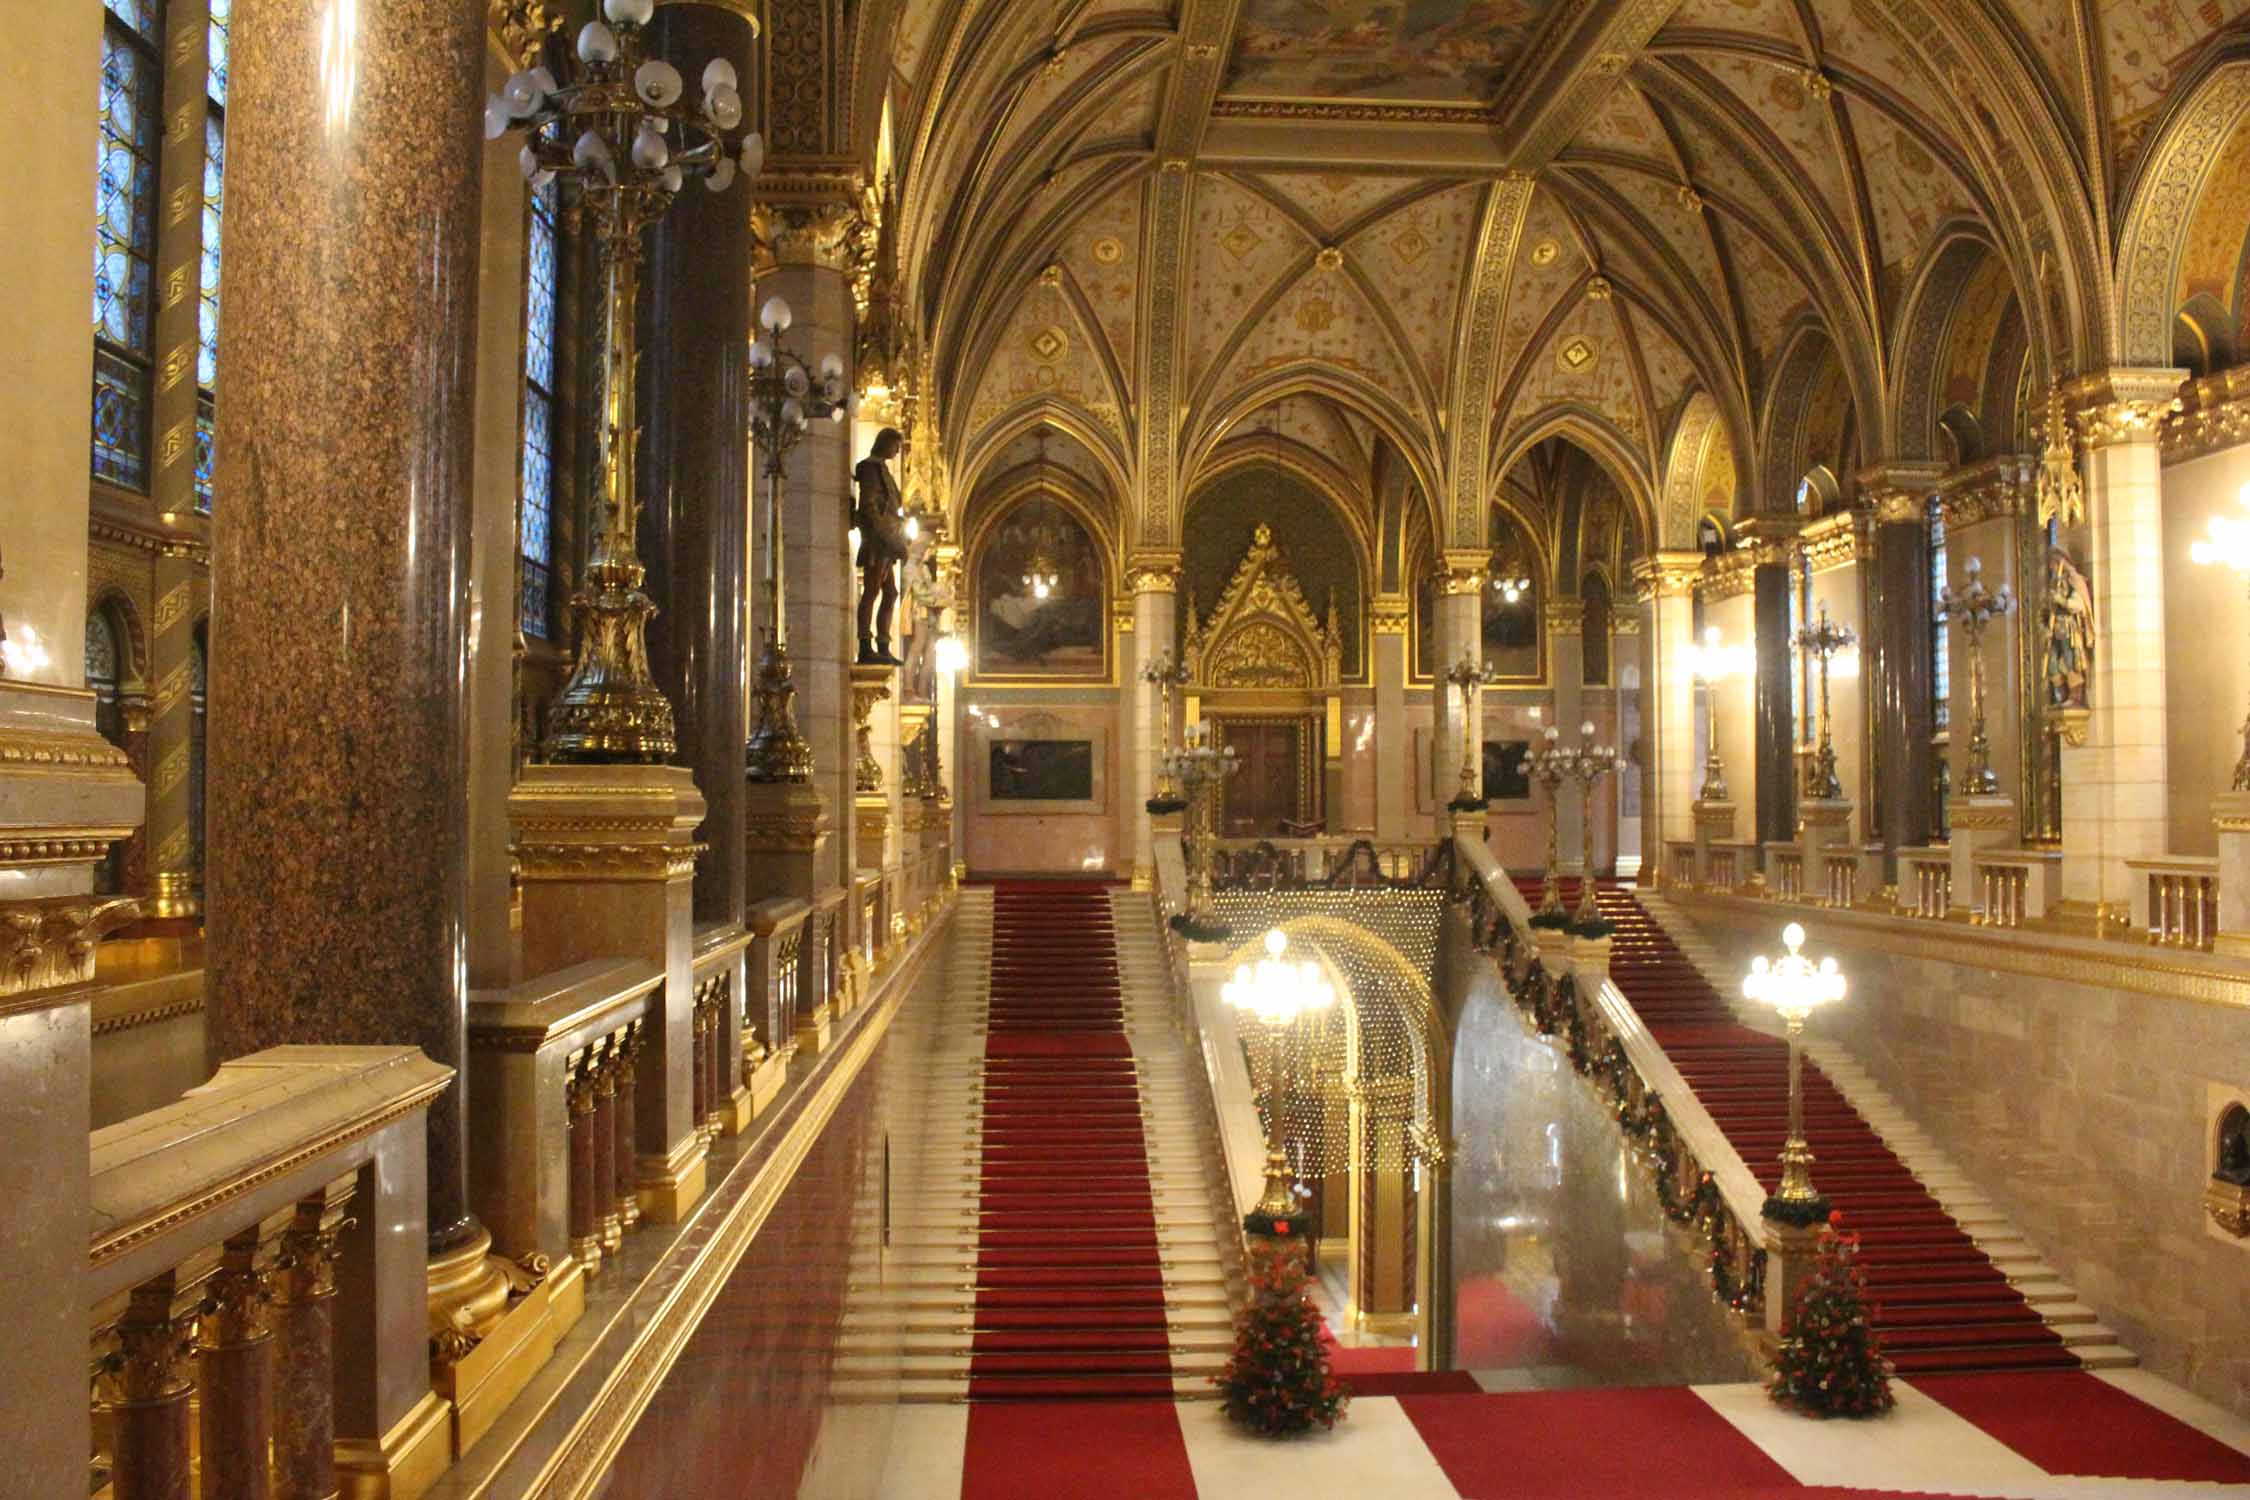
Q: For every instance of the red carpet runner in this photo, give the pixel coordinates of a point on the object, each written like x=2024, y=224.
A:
x=1070, y=1282
x=1940, y=1305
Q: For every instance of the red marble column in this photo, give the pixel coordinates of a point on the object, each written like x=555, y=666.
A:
x=304, y=1317
x=603, y=1129
x=154, y=1382
x=336, y=881
x=627, y=1201
x=237, y=1376
x=585, y=1201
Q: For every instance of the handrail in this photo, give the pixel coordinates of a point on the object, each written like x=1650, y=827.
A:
x=1499, y=890
x=1736, y=1183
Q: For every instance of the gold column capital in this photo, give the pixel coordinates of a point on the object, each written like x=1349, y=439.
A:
x=1463, y=570
x=808, y=219
x=1388, y=614
x=2123, y=405
x=1667, y=575
x=1153, y=573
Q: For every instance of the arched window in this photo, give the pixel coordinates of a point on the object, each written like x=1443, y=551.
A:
x=1594, y=600
x=541, y=302
x=132, y=103
x=132, y=110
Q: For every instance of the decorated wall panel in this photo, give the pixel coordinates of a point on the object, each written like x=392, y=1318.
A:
x=1223, y=518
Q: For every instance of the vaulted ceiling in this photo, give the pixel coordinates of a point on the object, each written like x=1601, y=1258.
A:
x=1431, y=234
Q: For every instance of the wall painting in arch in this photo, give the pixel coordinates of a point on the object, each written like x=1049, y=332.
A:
x=1042, y=605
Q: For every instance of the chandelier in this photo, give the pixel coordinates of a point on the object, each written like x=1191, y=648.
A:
x=1511, y=580
x=1277, y=993
x=1040, y=575
x=616, y=128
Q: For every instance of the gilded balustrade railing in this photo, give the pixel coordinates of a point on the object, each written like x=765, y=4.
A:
x=225, y=1339
x=2175, y=900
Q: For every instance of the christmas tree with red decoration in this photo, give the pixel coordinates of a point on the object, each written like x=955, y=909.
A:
x=1831, y=1362
x=1278, y=1381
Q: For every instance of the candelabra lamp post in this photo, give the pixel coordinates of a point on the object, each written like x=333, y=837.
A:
x=1200, y=770
x=1973, y=608
x=1589, y=765
x=1713, y=662
x=786, y=398
x=1551, y=765
x=1795, y=987
x=1169, y=676
x=1468, y=675
x=1825, y=640
x=610, y=121
x=2227, y=544
x=1278, y=993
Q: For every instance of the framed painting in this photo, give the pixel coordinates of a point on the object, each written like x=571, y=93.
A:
x=1042, y=606
x=1506, y=776
x=1042, y=770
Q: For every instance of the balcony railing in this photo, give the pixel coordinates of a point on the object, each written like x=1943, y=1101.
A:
x=244, y=1266
x=2176, y=900
x=1345, y=863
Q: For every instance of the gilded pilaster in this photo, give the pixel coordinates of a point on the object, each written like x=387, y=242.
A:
x=175, y=875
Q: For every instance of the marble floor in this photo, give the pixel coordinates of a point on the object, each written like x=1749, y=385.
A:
x=1380, y=1450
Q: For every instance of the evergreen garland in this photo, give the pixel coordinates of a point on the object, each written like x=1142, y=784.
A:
x=1278, y=1381
x=1831, y=1362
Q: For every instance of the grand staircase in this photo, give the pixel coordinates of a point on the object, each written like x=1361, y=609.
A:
x=1059, y=1241
x=1953, y=1288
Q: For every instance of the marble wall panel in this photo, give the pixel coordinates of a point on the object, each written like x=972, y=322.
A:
x=1023, y=837
x=2207, y=674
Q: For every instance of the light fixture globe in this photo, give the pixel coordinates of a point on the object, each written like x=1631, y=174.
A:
x=1277, y=993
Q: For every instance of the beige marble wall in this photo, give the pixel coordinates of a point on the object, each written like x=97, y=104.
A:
x=1838, y=588
x=2207, y=647
x=1736, y=696
x=2080, y=1111
x=1035, y=838
x=50, y=77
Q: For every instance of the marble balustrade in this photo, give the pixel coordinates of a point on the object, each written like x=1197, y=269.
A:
x=258, y=1249
x=548, y=1059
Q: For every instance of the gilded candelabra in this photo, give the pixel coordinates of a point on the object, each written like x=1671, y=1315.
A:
x=1714, y=662
x=786, y=398
x=1200, y=770
x=1552, y=764
x=1468, y=675
x=619, y=132
x=1825, y=640
x=1589, y=765
x=1168, y=675
x=1277, y=993
x=1795, y=986
x=1972, y=609
x=2228, y=545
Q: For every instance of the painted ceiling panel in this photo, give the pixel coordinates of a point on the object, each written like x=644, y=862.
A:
x=1432, y=51
x=1242, y=246
x=1420, y=255
x=1045, y=353
x=1103, y=252
x=1324, y=319
x=1913, y=193
x=1335, y=199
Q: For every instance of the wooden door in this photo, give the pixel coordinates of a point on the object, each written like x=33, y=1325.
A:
x=1265, y=792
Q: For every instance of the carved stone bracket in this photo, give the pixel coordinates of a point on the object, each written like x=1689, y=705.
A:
x=50, y=942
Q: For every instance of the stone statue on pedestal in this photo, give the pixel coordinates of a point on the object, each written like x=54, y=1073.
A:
x=882, y=546
x=2067, y=616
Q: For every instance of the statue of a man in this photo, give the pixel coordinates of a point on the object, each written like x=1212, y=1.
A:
x=882, y=546
x=2067, y=617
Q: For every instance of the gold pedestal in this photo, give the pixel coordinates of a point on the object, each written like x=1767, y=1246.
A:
x=668, y=1186
x=483, y=1379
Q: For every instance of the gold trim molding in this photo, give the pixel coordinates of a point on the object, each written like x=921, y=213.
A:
x=2123, y=406
x=51, y=941
x=1667, y=575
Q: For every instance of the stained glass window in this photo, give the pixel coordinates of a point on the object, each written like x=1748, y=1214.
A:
x=1941, y=682
x=222, y=11
x=125, y=239
x=540, y=286
x=214, y=189
x=206, y=423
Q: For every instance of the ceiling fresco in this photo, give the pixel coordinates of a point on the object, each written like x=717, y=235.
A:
x=1427, y=51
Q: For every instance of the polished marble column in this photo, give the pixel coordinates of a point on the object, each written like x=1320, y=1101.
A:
x=1154, y=580
x=1776, y=723
x=336, y=877
x=695, y=476
x=1460, y=635
x=1898, y=663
